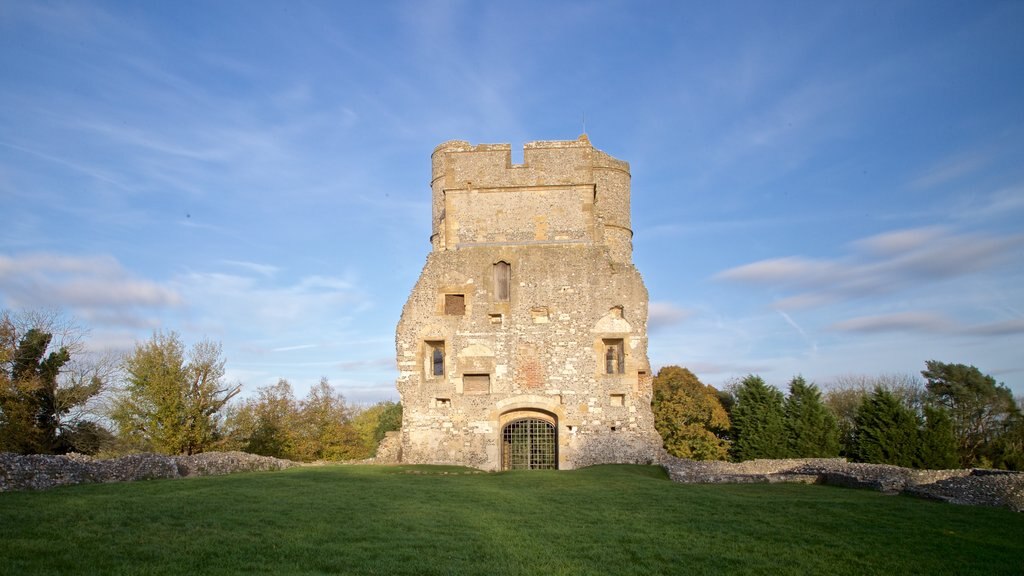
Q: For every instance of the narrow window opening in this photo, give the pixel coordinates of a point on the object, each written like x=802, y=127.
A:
x=455, y=304
x=614, y=357
x=435, y=359
x=502, y=280
x=443, y=402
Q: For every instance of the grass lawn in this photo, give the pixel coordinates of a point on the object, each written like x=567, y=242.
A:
x=436, y=520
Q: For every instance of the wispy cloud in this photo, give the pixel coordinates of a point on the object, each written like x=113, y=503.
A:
x=949, y=169
x=878, y=265
x=665, y=314
x=900, y=322
x=92, y=287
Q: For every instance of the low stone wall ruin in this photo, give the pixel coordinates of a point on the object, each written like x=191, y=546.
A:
x=978, y=487
x=40, y=471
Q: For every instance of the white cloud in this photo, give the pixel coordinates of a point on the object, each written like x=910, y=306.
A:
x=664, y=314
x=92, y=287
x=879, y=264
x=899, y=322
x=1004, y=328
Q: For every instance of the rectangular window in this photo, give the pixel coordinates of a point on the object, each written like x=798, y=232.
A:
x=614, y=357
x=476, y=384
x=435, y=359
x=502, y=278
x=455, y=304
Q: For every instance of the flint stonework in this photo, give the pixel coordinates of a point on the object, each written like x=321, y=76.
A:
x=524, y=342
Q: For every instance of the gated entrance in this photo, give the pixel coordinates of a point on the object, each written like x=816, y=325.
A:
x=529, y=444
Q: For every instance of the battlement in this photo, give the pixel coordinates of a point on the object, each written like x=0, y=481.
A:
x=564, y=191
x=464, y=165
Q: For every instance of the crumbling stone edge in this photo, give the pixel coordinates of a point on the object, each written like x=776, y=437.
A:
x=41, y=472
x=975, y=487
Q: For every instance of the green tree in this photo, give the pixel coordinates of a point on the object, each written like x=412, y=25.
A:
x=373, y=422
x=323, y=427
x=43, y=395
x=887, y=431
x=266, y=424
x=938, y=442
x=758, y=421
x=811, y=428
x=1008, y=450
x=846, y=394
x=979, y=407
x=170, y=400
x=689, y=415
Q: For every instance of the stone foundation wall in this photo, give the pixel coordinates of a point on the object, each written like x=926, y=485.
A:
x=977, y=487
x=40, y=472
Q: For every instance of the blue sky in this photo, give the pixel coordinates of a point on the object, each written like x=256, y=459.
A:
x=819, y=188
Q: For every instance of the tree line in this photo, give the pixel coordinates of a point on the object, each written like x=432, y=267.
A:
x=163, y=397
x=956, y=417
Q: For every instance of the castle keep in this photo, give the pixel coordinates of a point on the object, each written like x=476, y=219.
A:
x=524, y=342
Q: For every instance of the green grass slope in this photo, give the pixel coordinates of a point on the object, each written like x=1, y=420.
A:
x=442, y=520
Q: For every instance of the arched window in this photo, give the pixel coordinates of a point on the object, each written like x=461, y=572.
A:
x=434, y=358
x=502, y=279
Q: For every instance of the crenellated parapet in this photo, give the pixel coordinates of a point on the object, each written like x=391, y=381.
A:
x=476, y=183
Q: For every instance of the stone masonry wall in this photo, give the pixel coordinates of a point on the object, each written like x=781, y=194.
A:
x=974, y=487
x=40, y=471
x=559, y=223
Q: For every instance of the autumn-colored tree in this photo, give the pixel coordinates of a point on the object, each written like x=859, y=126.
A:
x=266, y=424
x=374, y=421
x=689, y=415
x=170, y=400
x=323, y=429
x=44, y=393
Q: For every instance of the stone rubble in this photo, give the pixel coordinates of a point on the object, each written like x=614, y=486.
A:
x=41, y=472
x=977, y=487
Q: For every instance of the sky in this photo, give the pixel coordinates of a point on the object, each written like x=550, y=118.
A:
x=821, y=189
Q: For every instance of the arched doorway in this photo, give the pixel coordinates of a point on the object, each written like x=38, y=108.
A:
x=529, y=444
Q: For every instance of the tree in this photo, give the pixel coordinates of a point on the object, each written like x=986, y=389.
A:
x=887, y=431
x=374, y=422
x=846, y=394
x=323, y=430
x=44, y=395
x=1008, y=450
x=979, y=407
x=689, y=415
x=758, y=421
x=266, y=425
x=938, y=442
x=811, y=429
x=170, y=399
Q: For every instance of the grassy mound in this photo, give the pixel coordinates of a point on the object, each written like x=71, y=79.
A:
x=446, y=520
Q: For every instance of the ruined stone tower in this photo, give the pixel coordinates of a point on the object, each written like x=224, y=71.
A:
x=524, y=342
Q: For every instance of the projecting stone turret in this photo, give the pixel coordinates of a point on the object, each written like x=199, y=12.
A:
x=524, y=342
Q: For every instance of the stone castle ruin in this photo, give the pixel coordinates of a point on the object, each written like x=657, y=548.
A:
x=524, y=342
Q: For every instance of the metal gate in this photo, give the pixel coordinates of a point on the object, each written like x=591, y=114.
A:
x=529, y=444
